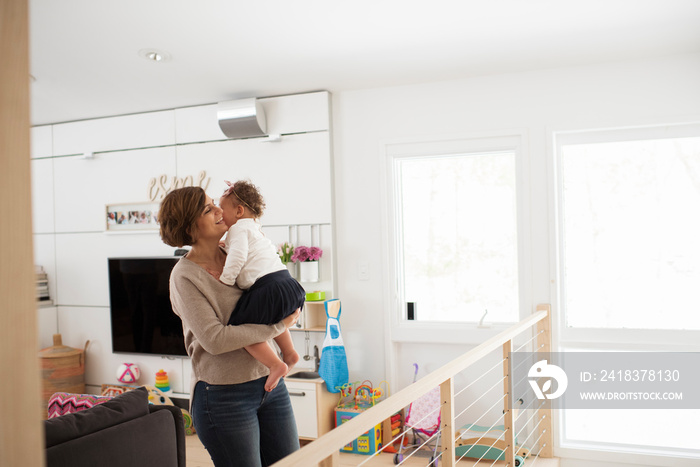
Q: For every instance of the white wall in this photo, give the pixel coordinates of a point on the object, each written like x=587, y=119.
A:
x=70, y=193
x=608, y=95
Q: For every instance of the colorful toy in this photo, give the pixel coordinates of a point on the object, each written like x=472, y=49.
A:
x=391, y=432
x=162, y=381
x=364, y=396
x=480, y=442
x=354, y=399
x=157, y=397
x=359, y=396
x=368, y=442
x=112, y=390
x=346, y=394
x=128, y=373
x=189, y=425
x=423, y=421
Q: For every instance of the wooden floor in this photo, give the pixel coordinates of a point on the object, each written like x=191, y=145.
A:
x=197, y=456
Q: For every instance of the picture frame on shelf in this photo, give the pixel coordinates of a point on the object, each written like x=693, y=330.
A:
x=131, y=217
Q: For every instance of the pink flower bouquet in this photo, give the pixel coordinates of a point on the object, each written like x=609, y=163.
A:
x=306, y=253
x=285, y=252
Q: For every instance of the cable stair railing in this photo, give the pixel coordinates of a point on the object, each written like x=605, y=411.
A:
x=325, y=451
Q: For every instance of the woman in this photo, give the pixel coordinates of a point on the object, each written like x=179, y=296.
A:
x=239, y=423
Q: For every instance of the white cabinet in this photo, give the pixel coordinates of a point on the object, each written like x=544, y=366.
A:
x=303, y=397
x=151, y=129
x=42, y=141
x=83, y=187
x=313, y=406
x=294, y=174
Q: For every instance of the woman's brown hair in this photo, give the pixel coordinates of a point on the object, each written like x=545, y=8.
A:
x=178, y=215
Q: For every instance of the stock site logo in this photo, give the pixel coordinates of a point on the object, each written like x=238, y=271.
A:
x=543, y=370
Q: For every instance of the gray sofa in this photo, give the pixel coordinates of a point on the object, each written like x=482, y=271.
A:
x=126, y=430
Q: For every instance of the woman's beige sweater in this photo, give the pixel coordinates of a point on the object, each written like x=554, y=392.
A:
x=204, y=304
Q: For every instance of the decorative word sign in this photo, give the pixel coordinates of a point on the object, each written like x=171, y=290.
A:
x=158, y=187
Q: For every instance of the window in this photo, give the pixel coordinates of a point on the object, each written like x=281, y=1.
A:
x=456, y=234
x=629, y=265
x=630, y=256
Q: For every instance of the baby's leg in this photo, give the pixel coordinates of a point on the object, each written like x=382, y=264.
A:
x=289, y=353
x=265, y=354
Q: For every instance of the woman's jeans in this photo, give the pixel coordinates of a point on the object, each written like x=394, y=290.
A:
x=242, y=425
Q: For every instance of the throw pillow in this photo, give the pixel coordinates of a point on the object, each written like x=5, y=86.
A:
x=62, y=403
x=120, y=409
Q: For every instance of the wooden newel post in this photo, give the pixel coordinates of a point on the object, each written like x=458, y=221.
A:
x=544, y=345
x=331, y=461
x=447, y=419
x=509, y=420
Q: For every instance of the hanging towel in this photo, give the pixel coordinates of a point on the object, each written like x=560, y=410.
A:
x=334, y=364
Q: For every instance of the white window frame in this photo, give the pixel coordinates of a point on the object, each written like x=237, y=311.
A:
x=603, y=338
x=400, y=329
x=600, y=339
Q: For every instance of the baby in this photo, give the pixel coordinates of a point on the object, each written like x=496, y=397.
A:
x=270, y=292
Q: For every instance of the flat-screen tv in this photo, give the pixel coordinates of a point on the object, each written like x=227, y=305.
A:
x=141, y=316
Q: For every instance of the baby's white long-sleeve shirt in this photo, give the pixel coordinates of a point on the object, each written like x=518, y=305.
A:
x=249, y=254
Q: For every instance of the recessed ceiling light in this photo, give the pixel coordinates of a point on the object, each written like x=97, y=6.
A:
x=154, y=55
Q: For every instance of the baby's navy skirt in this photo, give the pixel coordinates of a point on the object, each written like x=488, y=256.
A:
x=271, y=298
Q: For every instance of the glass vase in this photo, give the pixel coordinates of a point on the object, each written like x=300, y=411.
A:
x=292, y=268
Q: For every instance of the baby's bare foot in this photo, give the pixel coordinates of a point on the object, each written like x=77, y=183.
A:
x=276, y=372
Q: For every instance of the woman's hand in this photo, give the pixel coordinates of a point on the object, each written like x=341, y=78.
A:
x=291, y=320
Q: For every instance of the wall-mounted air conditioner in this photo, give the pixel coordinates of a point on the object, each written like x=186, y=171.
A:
x=243, y=118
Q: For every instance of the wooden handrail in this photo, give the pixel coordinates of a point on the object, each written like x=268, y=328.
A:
x=330, y=443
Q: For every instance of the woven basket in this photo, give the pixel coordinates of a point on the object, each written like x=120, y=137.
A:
x=62, y=370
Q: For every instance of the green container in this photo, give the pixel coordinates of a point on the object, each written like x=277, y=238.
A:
x=316, y=296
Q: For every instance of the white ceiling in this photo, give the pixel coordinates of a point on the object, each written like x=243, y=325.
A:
x=84, y=53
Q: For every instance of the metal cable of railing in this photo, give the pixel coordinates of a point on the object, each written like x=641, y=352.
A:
x=495, y=441
x=482, y=437
x=528, y=341
x=417, y=448
x=476, y=441
x=533, y=431
x=490, y=447
x=528, y=421
x=527, y=407
x=535, y=457
x=480, y=397
x=402, y=434
x=325, y=450
x=428, y=440
x=497, y=365
x=490, y=408
x=525, y=361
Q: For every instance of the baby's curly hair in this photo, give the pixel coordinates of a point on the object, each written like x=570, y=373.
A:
x=247, y=194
